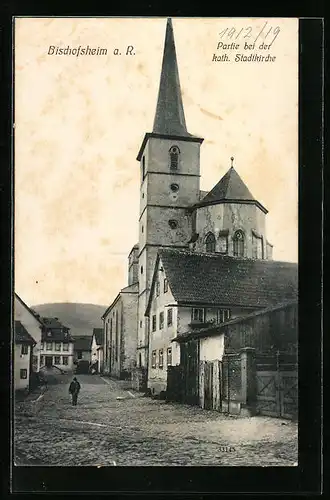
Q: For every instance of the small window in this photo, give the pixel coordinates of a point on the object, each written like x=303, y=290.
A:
x=161, y=358
x=174, y=157
x=65, y=347
x=157, y=288
x=142, y=229
x=153, y=359
x=154, y=323
x=65, y=360
x=174, y=188
x=57, y=346
x=48, y=346
x=210, y=243
x=141, y=269
x=173, y=224
x=223, y=315
x=165, y=285
x=79, y=355
x=42, y=360
x=161, y=320
x=238, y=241
x=24, y=349
x=198, y=315
x=23, y=373
x=57, y=360
x=140, y=324
x=169, y=356
x=169, y=317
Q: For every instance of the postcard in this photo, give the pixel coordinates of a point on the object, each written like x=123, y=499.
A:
x=156, y=242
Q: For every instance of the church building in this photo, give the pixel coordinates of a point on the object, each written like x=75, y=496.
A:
x=201, y=256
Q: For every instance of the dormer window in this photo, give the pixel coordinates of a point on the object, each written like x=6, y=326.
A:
x=174, y=157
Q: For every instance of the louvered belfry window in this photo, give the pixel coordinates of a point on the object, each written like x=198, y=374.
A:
x=174, y=157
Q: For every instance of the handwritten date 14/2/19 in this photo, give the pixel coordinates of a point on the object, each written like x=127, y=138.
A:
x=267, y=33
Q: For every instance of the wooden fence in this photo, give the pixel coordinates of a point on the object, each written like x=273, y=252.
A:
x=242, y=383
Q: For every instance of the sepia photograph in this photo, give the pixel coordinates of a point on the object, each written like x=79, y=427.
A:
x=155, y=308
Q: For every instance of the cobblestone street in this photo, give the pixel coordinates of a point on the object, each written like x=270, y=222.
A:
x=115, y=426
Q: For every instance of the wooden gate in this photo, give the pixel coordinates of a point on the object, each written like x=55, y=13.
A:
x=277, y=387
x=210, y=385
x=189, y=354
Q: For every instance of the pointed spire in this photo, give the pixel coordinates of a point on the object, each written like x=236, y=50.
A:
x=169, y=118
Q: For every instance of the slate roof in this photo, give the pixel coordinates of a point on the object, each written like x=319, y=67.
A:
x=199, y=278
x=82, y=343
x=22, y=336
x=230, y=188
x=99, y=336
x=169, y=118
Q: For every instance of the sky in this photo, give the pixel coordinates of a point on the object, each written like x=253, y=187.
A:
x=80, y=121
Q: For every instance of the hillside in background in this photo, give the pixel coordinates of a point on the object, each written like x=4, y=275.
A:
x=81, y=318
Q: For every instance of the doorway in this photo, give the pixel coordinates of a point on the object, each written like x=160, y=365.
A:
x=49, y=361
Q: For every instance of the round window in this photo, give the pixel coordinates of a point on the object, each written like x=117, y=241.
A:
x=175, y=188
x=173, y=224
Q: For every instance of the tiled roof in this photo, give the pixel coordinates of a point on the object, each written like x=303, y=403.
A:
x=53, y=323
x=230, y=188
x=222, y=280
x=99, y=335
x=54, y=330
x=22, y=336
x=83, y=343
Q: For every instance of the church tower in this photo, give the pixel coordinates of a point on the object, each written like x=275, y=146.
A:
x=169, y=160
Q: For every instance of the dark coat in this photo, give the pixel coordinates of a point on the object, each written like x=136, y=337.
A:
x=74, y=387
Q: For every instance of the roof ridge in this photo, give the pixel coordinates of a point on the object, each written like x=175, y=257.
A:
x=218, y=255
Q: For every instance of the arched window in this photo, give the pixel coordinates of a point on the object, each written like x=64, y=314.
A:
x=210, y=242
x=239, y=244
x=174, y=157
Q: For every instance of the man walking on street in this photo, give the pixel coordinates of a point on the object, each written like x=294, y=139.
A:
x=74, y=391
